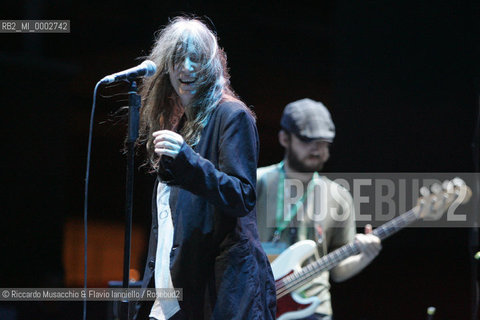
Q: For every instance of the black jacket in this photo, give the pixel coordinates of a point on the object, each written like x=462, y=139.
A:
x=216, y=257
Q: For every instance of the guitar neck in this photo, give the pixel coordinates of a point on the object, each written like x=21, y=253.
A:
x=395, y=225
x=327, y=262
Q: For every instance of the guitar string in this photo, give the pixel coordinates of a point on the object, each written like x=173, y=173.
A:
x=297, y=279
x=311, y=270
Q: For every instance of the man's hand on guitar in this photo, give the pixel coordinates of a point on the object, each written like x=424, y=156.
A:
x=369, y=244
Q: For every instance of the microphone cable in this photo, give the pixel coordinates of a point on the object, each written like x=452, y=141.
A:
x=85, y=204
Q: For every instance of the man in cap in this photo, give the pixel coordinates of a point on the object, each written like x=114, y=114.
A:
x=294, y=202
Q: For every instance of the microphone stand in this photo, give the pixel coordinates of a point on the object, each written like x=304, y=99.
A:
x=134, y=102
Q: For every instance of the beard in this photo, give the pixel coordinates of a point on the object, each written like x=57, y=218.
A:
x=300, y=166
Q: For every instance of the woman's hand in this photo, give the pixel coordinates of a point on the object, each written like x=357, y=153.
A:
x=167, y=143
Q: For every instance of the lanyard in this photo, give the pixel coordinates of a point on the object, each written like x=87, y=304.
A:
x=283, y=220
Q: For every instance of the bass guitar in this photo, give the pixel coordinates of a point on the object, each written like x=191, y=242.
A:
x=290, y=276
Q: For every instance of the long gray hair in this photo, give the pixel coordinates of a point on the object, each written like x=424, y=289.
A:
x=183, y=37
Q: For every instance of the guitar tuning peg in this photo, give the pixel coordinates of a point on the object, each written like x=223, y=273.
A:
x=457, y=182
x=447, y=185
x=436, y=188
x=424, y=191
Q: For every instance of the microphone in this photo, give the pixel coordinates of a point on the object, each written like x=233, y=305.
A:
x=147, y=69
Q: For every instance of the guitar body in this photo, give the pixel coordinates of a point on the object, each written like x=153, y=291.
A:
x=293, y=306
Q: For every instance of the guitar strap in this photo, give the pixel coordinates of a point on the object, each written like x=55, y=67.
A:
x=285, y=217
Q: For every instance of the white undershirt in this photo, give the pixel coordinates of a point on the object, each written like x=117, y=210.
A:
x=164, y=308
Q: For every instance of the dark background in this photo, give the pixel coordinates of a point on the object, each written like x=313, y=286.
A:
x=399, y=77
